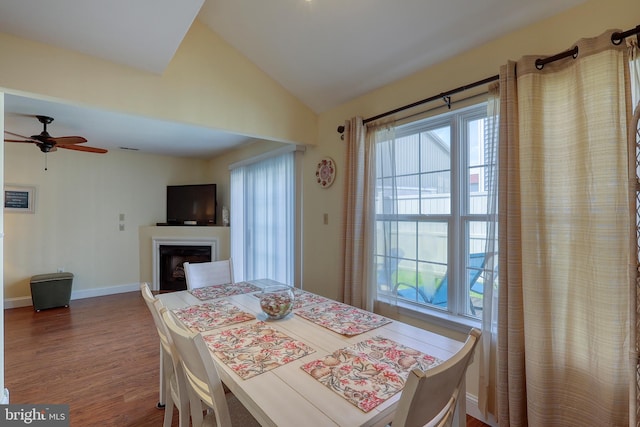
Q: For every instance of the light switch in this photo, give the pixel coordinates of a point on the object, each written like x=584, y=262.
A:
x=121, y=227
x=121, y=217
x=325, y=218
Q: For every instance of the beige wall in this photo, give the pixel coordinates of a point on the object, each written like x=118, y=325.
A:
x=77, y=207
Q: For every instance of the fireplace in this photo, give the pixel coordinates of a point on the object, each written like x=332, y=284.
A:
x=172, y=258
x=170, y=254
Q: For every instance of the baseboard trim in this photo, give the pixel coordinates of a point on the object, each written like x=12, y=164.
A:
x=472, y=409
x=79, y=294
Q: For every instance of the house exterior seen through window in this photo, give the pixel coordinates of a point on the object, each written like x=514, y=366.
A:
x=431, y=212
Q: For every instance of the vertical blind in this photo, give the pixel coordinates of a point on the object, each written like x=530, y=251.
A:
x=263, y=219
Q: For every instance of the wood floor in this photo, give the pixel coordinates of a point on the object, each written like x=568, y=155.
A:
x=99, y=356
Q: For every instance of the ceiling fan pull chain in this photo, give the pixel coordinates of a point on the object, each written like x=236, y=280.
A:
x=45, y=161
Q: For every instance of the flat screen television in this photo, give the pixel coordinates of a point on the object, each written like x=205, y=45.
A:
x=193, y=204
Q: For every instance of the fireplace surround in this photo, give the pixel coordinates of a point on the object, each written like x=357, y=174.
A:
x=170, y=253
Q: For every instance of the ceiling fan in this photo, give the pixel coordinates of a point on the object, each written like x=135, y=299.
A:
x=48, y=143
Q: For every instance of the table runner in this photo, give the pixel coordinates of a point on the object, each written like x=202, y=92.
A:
x=369, y=372
x=226, y=290
x=342, y=318
x=212, y=315
x=252, y=349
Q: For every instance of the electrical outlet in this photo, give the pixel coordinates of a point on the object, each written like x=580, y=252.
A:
x=121, y=227
x=121, y=217
x=60, y=269
x=325, y=218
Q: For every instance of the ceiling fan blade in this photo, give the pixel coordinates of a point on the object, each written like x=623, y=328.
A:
x=19, y=140
x=65, y=140
x=18, y=135
x=48, y=143
x=83, y=148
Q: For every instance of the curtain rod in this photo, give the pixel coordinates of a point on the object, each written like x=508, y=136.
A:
x=446, y=96
x=616, y=38
x=541, y=62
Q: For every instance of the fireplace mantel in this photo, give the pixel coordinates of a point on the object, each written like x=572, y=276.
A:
x=150, y=236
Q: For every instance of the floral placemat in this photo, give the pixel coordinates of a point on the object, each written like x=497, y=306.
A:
x=212, y=315
x=304, y=299
x=369, y=372
x=253, y=349
x=342, y=318
x=226, y=290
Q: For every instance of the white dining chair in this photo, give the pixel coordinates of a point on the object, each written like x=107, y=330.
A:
x=203, y=382
x=175, y=388
x=429, y=398
x=201, y=274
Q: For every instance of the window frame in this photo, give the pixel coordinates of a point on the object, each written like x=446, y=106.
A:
x=458, y=220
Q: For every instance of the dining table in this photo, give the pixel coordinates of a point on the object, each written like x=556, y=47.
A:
x=324, y=364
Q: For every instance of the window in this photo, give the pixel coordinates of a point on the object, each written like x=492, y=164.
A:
x=264, y=211
x=431, y=212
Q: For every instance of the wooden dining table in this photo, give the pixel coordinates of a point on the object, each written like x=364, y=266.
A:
x=287, y=395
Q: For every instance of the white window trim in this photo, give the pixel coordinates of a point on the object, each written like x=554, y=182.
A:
x=447, y=319
x=458, y=323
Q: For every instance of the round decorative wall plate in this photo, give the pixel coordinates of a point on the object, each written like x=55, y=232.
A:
x=325, y=172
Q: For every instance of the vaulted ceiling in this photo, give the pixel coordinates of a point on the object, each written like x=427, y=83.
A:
x=325, y=52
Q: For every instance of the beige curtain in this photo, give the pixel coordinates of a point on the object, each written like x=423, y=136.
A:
x=359, y=215
x=567, y=255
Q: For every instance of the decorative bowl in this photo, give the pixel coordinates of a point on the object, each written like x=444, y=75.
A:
x=276, y=301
